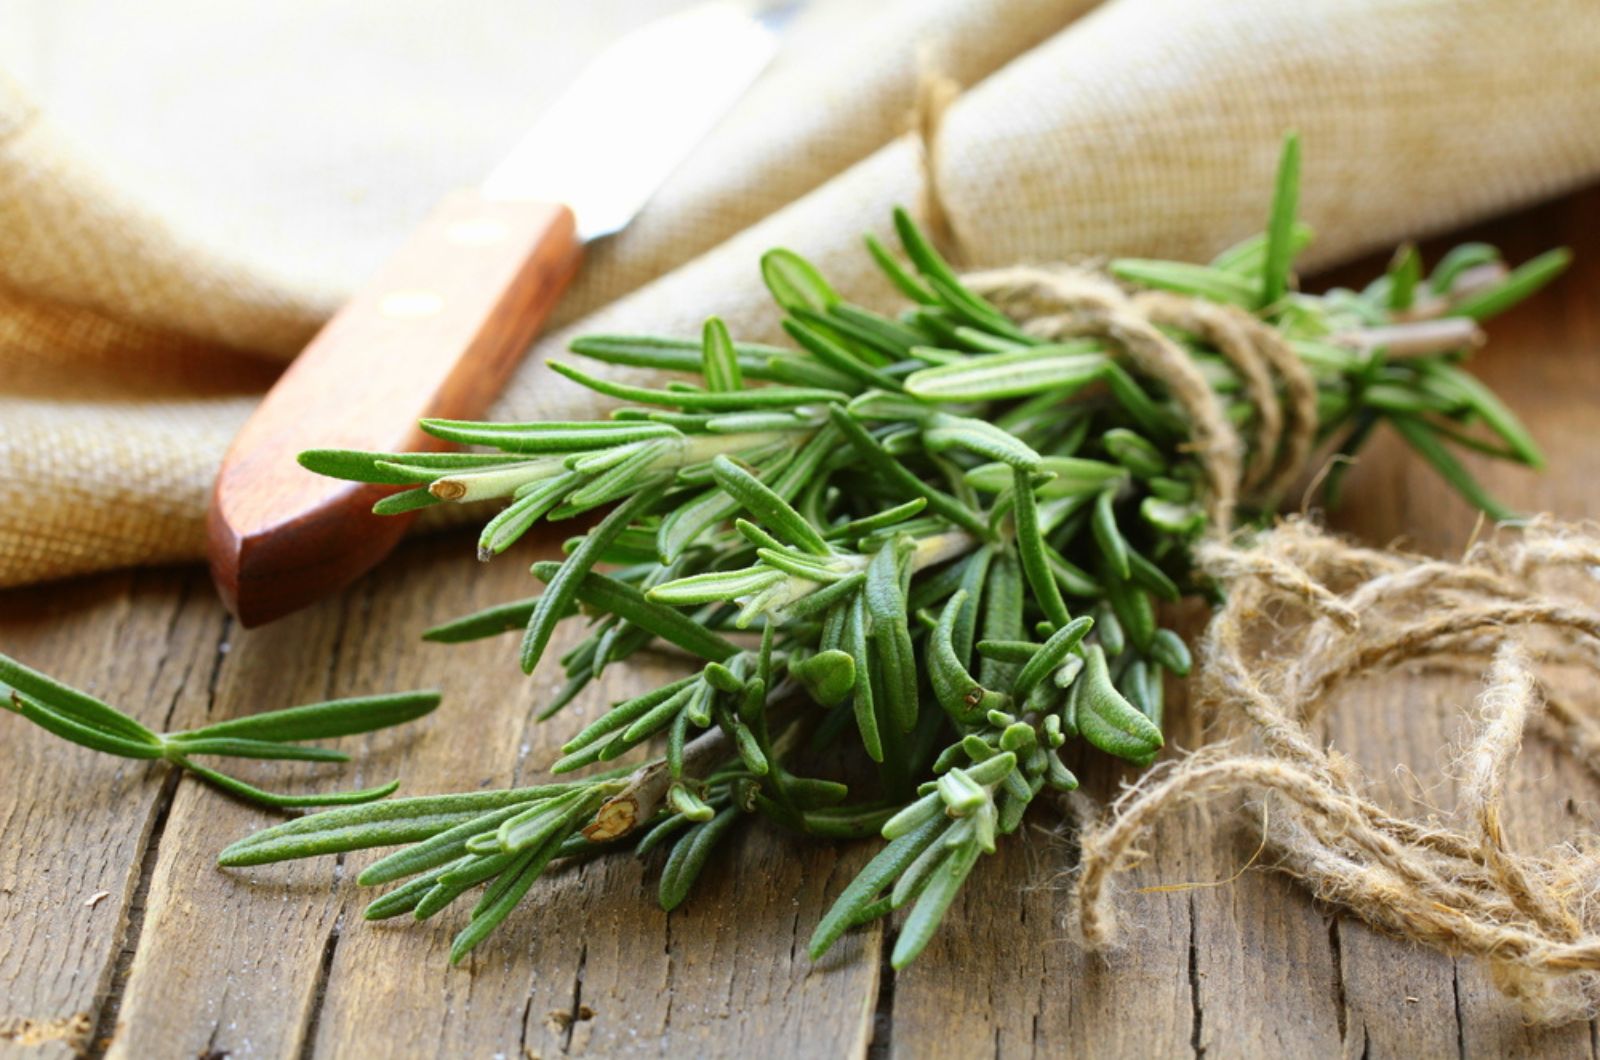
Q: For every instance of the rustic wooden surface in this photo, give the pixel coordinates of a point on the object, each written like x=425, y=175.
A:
x=118, y=935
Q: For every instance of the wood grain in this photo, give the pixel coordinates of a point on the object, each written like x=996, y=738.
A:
x=436, y=333
x=80, y=828
x=180, y=958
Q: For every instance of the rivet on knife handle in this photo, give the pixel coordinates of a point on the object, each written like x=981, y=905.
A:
x=435, y=334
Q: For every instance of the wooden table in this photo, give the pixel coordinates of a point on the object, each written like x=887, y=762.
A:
x=118, y=933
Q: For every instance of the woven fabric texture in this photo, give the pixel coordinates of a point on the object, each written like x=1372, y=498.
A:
x=129, y=357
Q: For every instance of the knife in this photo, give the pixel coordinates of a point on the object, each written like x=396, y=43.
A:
x=437, y=332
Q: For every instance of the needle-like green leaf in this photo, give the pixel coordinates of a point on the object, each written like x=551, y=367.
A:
x=1200, y=281
x=1062, y=370
x=1430, y=448
x=795, y=282
x=533, y=438
x=318, y=721
x=1031, y=549
x=563, y=587
x=1051, y=655
x=1519, y=285
x=772, y=510
x=907, y=483
x=689, y=856
x=1280, y=224
x=720, y=362
x=714, y=401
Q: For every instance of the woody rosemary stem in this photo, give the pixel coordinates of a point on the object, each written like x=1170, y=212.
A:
x=646, y=786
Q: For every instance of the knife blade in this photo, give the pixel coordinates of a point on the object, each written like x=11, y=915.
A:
x=438, y=330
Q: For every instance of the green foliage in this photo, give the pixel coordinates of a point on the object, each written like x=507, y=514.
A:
x=81, y=718
x=949, y=535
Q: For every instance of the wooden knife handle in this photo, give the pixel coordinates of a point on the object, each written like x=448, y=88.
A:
x=435, y=334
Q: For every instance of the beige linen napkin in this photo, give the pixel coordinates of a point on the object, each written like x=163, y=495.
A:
x=1135, y=126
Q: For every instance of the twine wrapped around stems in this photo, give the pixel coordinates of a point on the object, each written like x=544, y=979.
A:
x=1306, y=613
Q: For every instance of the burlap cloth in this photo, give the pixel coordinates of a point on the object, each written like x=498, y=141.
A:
x=130, y=354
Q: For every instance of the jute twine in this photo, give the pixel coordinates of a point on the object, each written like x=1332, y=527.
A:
x=1067, y=301
x=1305, y=614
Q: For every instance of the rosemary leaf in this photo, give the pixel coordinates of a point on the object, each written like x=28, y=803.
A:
x=689, y=856
x=563, y=587
x=1280, y=224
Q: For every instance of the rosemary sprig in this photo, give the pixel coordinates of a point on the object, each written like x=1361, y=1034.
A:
x=937, y=539
x=278, y=734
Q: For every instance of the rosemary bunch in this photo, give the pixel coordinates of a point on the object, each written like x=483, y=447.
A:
x=939, y=539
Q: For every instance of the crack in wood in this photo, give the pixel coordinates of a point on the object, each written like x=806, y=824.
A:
x=882, y=1043
x=319, y=989
x=1455, y=993
x=114, y=986
x=354, y=600
x=523, y=1050
x=166, y=653
x=991, y=1005
x=577, y=1013
x=362, y=602
x=1195, y=1043
x=794, y=935
x=1341, y=1003
x=211, y=1051
x=115, y=983
x=223, y=646
x=672, y=967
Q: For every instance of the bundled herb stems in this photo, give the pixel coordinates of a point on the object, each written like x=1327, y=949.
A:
x=936, y=542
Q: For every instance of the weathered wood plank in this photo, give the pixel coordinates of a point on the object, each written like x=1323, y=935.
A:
x=237, y=961
x=77, y=823
x=391, y=982
x=393, y=979
x=1267, y=972
x=222, y=966
x=1004, y=976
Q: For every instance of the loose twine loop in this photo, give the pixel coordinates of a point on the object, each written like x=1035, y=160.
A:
x=1306, y=613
